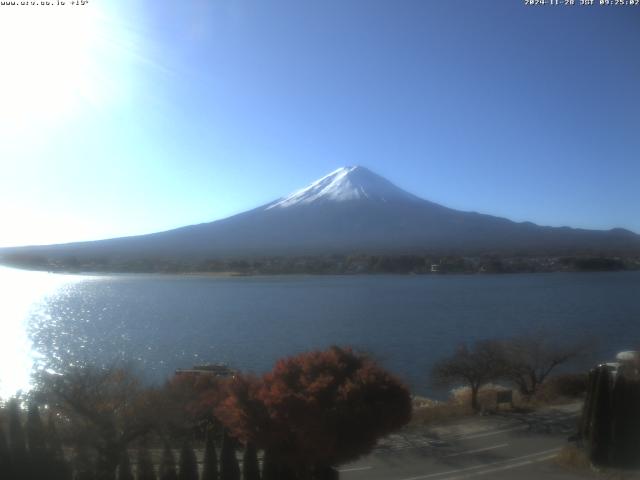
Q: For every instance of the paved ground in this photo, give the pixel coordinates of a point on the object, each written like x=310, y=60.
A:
x=505, y=446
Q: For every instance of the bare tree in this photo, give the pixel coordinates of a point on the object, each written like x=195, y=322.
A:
x=529, y=359
x=106, y=408
x=474, y=367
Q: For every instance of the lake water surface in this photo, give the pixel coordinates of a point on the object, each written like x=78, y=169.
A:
x=163, y=322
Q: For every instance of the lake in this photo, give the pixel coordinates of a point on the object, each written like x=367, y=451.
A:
x=164, y=322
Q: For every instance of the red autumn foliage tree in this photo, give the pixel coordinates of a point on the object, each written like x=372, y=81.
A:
x=317, y=409
x=187, y=401
x=242, y=411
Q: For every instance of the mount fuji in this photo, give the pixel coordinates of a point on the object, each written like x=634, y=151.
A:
x=350, y=210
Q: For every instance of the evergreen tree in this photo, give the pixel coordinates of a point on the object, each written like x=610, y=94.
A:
x=36, y=437
x=229, y=469
x=59, y=467
x=188, y=463
x=210, y=467
x=269, y=467
x=250, y=468
x=54, y=445
x=21, y=467
x=145, y=470
x=83, y=464
x=5, y=456
x=168, y=464
x=39, y=464
x=124, y=467
x=17, y=443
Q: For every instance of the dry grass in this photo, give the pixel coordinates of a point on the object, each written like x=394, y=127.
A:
x=427, y=411
x=487, y=396
x=438, y=412
x=573, y=458
x=558, y=390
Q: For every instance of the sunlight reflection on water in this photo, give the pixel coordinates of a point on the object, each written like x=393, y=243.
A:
x=23, y=296
x=157, y=323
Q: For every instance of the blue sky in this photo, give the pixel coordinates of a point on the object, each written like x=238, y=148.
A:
x=120, y=118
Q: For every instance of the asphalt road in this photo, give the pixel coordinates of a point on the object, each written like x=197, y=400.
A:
x=506, y=446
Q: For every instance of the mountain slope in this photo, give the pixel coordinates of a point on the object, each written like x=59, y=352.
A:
x=351, y=210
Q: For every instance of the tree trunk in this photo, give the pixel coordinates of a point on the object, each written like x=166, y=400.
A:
x=474, y=398
x=534, y=383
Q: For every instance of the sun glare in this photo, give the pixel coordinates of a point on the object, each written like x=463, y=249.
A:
x=52, y=62
x=25, y=292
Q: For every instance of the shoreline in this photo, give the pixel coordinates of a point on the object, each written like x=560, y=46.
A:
x=238, y=274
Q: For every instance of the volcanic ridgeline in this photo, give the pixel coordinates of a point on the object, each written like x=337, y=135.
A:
x=349, y=211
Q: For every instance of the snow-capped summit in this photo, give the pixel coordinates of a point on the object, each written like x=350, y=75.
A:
x=345, y=184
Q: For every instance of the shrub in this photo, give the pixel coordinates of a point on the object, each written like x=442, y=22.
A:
x=566, y=386
x=317, y=409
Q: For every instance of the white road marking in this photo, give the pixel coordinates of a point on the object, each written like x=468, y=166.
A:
x=490, y=464
x=510, y=429
x=430, y=443
x=468, y=452
x=498, y=469
x=488, y=434
x=457, y=438
x=354, y=469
